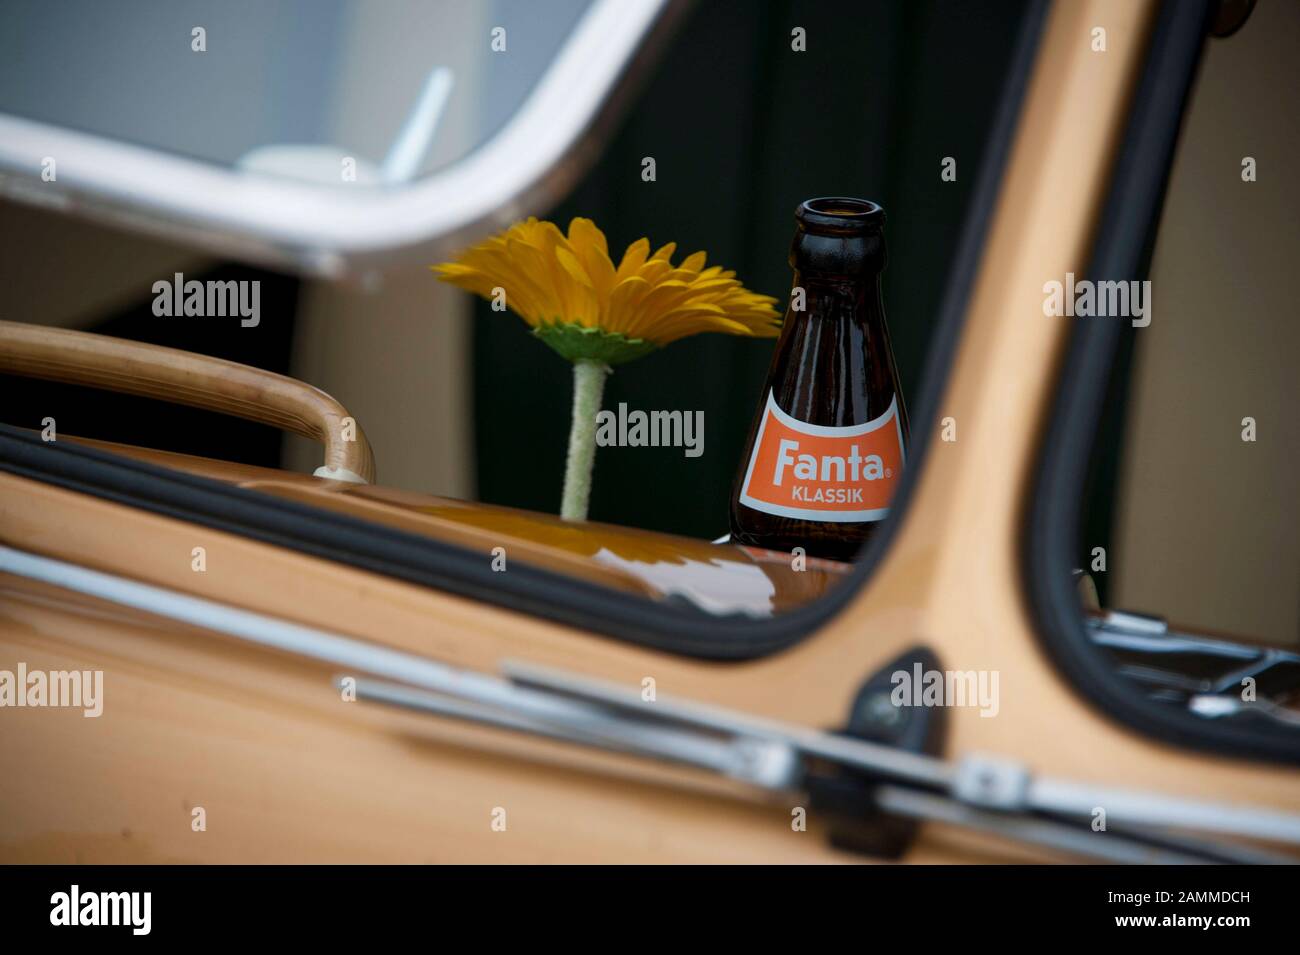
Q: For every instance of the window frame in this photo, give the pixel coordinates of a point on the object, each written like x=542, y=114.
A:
x=664, y=626
x=1122, y=250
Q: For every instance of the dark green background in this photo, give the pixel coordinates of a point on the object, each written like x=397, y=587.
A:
x=742, y=129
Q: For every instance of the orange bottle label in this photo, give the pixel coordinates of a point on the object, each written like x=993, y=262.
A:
x=818, y=473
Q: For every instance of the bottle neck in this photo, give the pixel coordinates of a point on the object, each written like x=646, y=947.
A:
x=828, y=296
x=859, y=257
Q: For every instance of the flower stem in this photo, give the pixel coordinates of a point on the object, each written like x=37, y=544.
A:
x=588, y=387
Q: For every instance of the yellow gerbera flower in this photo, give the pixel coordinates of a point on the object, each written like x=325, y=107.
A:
x=598, y=315
x=579, y=303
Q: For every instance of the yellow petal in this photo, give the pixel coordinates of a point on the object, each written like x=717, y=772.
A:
x=589, y=247
x=583, y=232
x=665, y=252
x=633, y=258
x=573, y=267
x=694, y=262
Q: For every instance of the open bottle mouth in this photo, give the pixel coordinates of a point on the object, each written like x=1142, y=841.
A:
x=840, y=216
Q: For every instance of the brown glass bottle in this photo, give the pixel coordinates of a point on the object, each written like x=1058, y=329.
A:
x=827, y=445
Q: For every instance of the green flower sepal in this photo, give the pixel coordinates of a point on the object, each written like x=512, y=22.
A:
x=582, y=343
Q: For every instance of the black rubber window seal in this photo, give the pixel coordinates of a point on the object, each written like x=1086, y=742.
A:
x=667, y=626
x=1122, y=250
